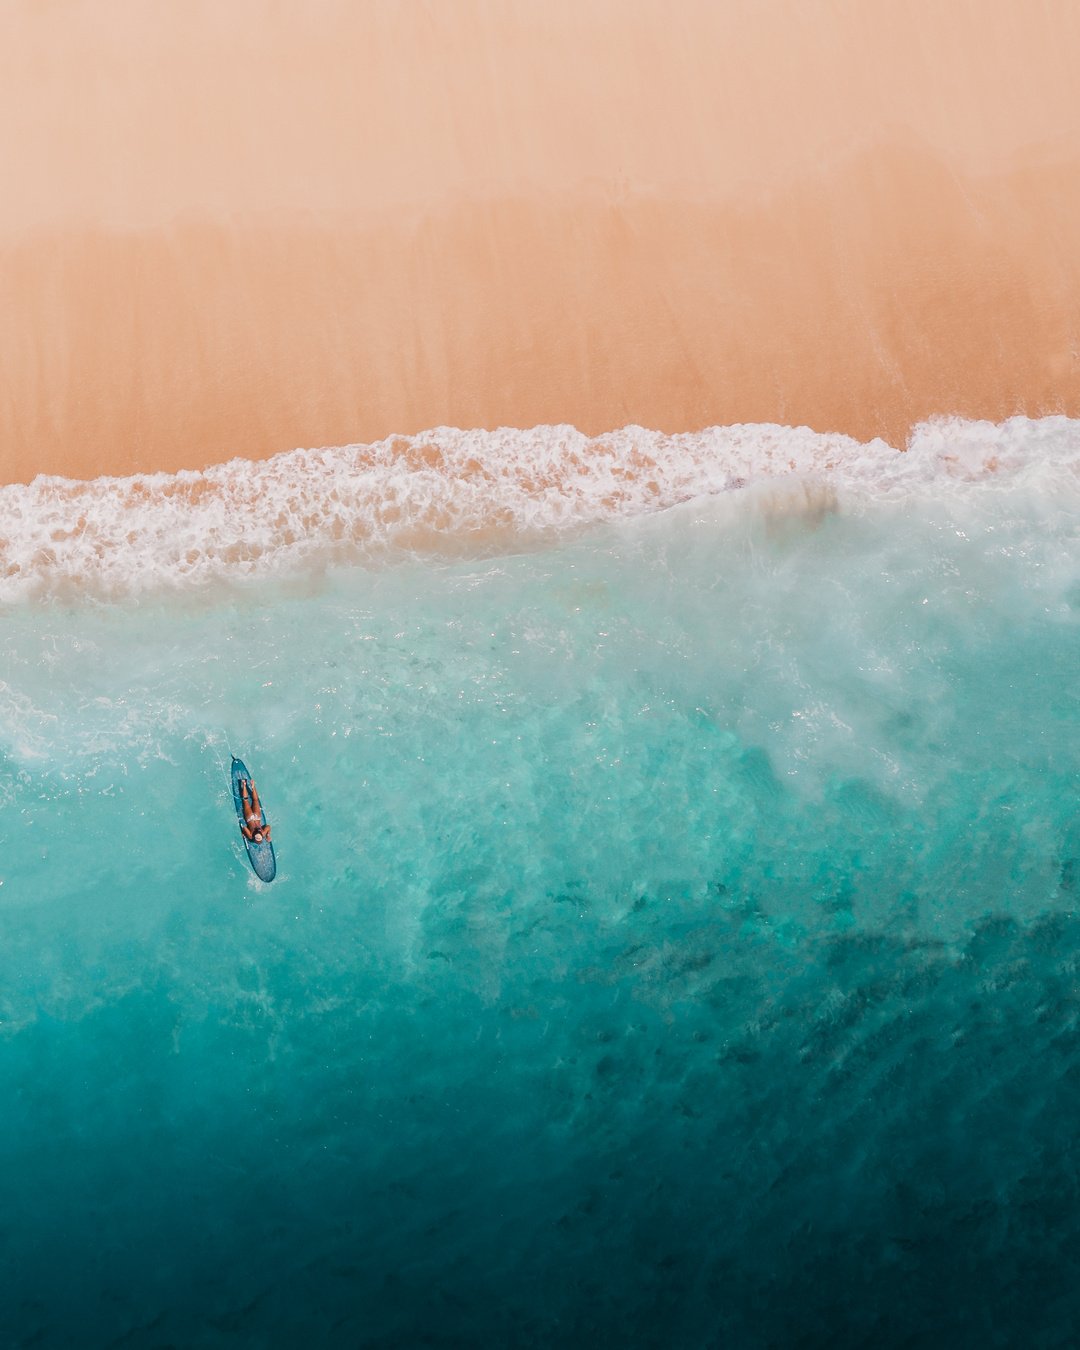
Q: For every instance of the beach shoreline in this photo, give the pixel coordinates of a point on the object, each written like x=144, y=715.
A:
x=598, y=220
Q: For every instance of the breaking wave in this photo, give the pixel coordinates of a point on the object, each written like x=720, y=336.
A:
x=452, y=491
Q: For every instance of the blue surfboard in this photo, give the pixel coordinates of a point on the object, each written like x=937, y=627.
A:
x=261, y=856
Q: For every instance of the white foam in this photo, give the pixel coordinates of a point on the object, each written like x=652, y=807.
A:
x=455, y=490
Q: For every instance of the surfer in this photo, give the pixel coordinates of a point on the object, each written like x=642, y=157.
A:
x=253, y=827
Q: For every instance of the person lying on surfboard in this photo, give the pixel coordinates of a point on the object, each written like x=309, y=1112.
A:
x=253, y=828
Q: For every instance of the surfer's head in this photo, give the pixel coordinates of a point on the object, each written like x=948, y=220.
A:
x=257, y=836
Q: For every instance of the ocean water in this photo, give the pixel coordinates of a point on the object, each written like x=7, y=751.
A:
x=675, y=939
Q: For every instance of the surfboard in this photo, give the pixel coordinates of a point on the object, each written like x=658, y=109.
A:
x=261, y=856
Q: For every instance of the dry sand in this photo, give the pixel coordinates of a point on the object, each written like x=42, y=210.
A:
x=235, y=229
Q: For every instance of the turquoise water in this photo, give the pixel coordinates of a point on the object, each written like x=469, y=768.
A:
x=674, y=943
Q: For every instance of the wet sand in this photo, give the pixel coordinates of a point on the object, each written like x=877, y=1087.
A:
x=235, y=233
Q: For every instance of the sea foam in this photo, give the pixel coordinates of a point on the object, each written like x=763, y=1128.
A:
x=453, y=491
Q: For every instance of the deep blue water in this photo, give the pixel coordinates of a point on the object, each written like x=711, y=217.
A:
x=675, y=943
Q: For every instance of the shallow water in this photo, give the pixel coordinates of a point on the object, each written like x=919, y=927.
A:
x=674, y=941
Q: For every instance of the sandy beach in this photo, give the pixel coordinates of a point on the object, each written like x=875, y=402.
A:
x=231, y=231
